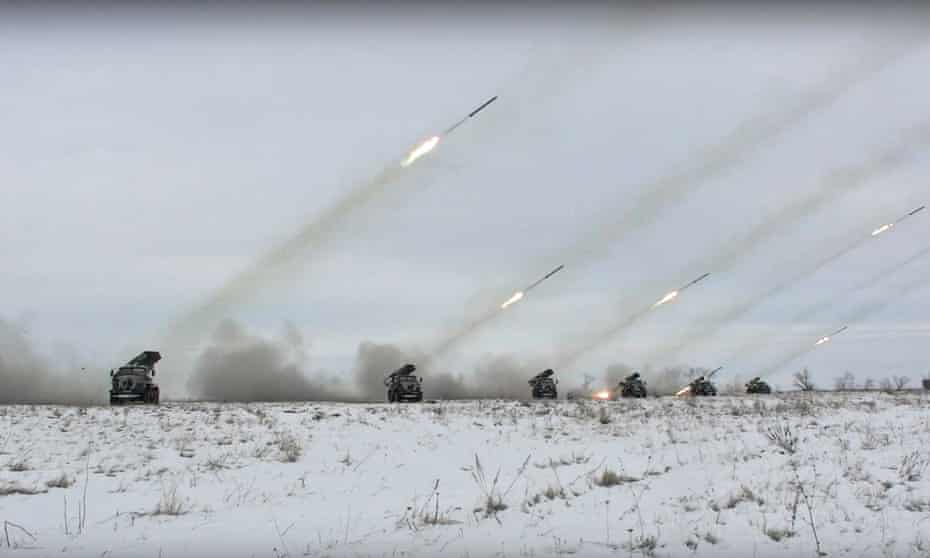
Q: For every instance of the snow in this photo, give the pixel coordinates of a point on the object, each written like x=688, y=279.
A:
x=685, y=477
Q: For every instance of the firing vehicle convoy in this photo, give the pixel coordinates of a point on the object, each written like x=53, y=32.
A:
x=543, y=385
x=631, y=386
x=134, y=382
x=756, y=385
x=403, y=385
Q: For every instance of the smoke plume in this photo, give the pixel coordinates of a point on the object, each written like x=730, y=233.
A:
x=239, y=366
x=494, y=377
x=26, y=377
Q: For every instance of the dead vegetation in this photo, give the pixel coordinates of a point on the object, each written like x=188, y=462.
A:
x=871, y=460
x=61, y=481
x=170, y=503
x=608, y=478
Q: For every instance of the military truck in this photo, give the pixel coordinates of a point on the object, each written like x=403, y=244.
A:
x=134, y=382
x=701, y=386
x=543, y=385
x=403, y=385
x=756, y=385
x=631, y=386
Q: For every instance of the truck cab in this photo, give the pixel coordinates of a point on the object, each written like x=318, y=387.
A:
x=134, y=382
x=403, y=386
x=544, y=385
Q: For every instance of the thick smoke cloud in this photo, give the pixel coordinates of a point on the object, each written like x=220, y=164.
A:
x=494, y=377
x=239, y=366
x=27, y=377
x=242, y=366
x=374, y=361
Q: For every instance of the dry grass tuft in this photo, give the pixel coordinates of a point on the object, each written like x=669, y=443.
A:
x=609, y=477
x=61, y=481
x=170, y=503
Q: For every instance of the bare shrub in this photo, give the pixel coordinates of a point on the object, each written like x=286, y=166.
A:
x=779, y=534
x=10, y=488
x=61, y=481
x=289, y=447
x=912, y=466
x=553, y=492
x=900, y=382
x=170, y=503
x=711, y=538
x=803, y=380
x=783, y=438
x=431, y=514
x=645, y=545
x=217, y=462
x=608, y=477
x=20, y=463
x=845, y=382
x=917, y=505
x=745, y=494
x=260, y=450
x=492, y=500
x=873, y=440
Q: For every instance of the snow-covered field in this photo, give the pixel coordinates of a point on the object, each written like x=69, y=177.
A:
x=763, y=476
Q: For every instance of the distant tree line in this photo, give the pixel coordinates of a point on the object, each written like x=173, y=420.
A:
x=847, y=382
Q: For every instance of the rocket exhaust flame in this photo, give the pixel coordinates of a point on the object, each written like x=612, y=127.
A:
x=489, y=314
x=718, y=158
x=603, y=337
x=670, y=296
x=420, y=151
x=885, y=161
x=882, y=229
x=674, y=294
x=431, y=143
x=800, y=352
x=828, y=338
x=515, y=298
x=754, y=344
x=284, y=260
x=889, y=226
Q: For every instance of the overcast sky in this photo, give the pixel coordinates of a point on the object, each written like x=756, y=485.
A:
x=147, y=156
